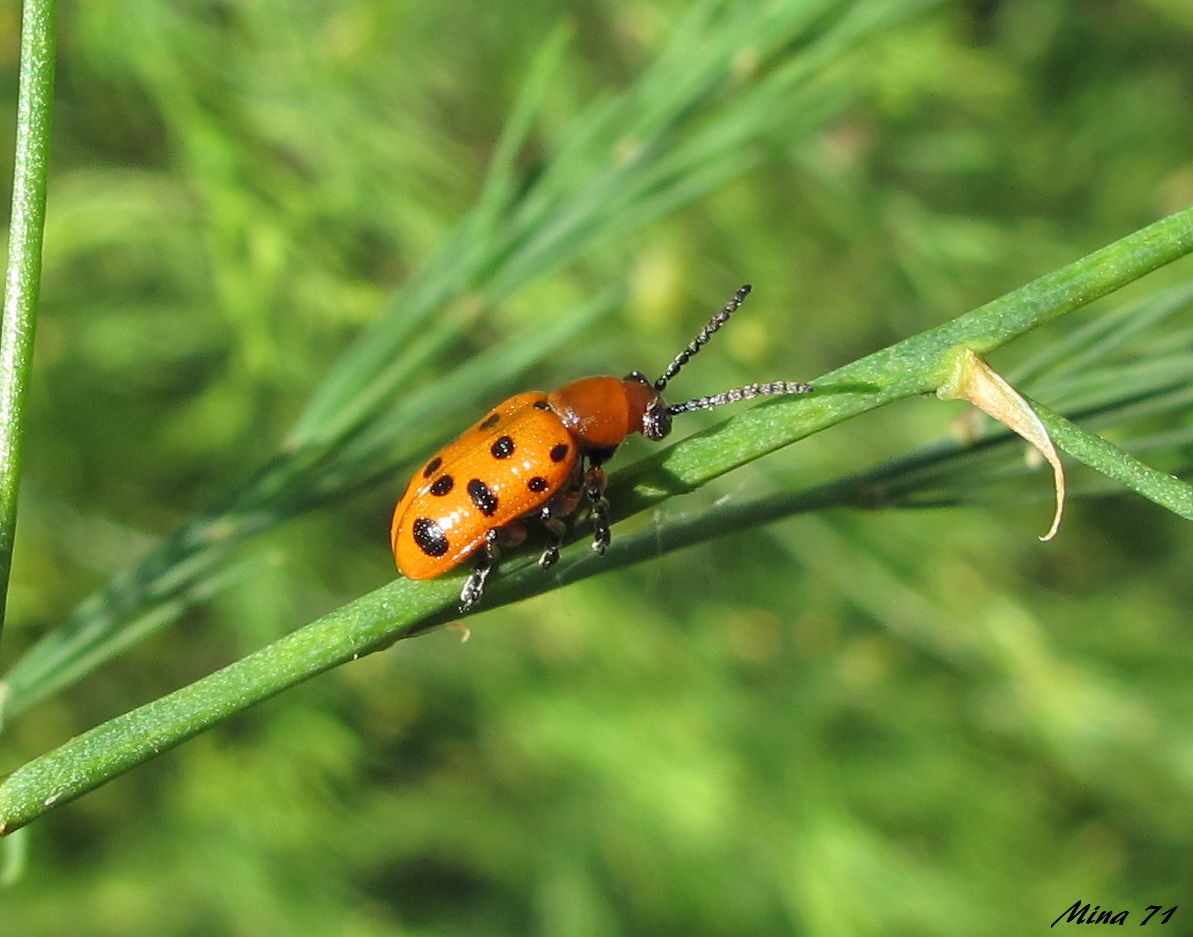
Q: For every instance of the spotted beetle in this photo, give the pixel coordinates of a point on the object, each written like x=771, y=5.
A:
x=536, y=457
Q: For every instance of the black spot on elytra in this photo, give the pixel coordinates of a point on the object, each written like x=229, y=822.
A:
x=559, y=453
x=538, y=483
x=430, y=537
x=541, y=405
x=491, y=420
x=502, y=448
x=482, y=497
x=443, y=484
x=432, y=467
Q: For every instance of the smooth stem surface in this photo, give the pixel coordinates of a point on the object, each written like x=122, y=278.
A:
x=914, y=366
x=691, y=121
x=403, y=608
x=34, y=105
x=1110, y=460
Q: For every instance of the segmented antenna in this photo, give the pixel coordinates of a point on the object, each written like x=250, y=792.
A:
x=730, y=396
x=741, y=393
x=705, y=334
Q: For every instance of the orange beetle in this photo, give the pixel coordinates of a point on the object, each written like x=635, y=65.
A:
x=535, y=457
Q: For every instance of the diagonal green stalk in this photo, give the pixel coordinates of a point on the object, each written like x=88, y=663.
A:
x=403, y=608
x=917, y=365
x=692, y=120
x=23, y=275
x=1110, y=460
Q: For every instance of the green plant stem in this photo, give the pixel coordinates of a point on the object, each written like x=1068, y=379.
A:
x=403, y=608
x=692, y=120
x=1110, y=460
x=34, y=108
x=914, y=366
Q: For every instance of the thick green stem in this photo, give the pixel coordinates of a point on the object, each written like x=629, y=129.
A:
x=914, y=366
x=403, y=608
x=34, y=105
x=691, y=121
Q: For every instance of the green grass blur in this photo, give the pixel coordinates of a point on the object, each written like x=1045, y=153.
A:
x=857, y=723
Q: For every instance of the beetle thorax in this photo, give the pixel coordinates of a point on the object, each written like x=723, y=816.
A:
x=601, y=411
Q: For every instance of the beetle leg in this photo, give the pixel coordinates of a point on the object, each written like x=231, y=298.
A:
x=595, y=480
x=558, y=530
x=474, y=587
x=550, y=515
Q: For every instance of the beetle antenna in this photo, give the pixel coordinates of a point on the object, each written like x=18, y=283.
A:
x=773, y=388
x=705, y=334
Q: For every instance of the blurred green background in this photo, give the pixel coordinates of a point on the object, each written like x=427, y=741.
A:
x=853, y=723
